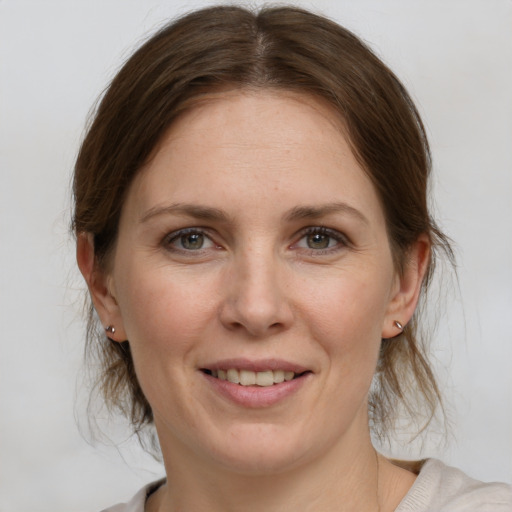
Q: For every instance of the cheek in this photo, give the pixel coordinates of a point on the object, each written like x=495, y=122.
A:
x=345, y=319
x=165, y=315
x=164, y=311
x=347, y=310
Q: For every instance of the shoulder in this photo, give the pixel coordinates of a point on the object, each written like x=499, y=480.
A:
x=136, y=504
x=445, y=489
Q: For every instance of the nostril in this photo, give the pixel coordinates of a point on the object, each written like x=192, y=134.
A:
x=256, y=306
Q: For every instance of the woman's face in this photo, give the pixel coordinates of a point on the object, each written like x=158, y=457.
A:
x=253, y=247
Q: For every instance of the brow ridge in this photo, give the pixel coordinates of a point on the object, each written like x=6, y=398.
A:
x=216, y=214
x=316, y=212
x=186, y=210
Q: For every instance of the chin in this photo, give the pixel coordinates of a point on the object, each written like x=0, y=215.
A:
x=261, y=450
x=260, y=462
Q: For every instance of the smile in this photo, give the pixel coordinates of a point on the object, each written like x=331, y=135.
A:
x=251, y=378
x=256, y=383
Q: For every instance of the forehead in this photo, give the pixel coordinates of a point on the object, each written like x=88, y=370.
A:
x=288, y=118
x=241, y=144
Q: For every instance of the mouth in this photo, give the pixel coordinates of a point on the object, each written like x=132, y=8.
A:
x=264, y=378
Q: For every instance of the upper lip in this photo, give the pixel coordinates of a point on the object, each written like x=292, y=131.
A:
x=256, y=365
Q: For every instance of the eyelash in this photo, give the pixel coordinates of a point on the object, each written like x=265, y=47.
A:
x=177, y=235
x=340, y=239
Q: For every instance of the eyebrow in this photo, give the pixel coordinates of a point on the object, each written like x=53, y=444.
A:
x=186, y=210
x=216, y=214
x=317, y=212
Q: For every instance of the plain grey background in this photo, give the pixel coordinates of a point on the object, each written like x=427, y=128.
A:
x=455, y=56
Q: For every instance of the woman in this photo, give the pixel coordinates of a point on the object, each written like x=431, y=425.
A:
x=252, y=224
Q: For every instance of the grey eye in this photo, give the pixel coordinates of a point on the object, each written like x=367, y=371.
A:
x=319, y=241
x=192, y=241
x=188, y=241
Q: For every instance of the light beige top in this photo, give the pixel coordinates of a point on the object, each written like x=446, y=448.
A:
x=438, y=488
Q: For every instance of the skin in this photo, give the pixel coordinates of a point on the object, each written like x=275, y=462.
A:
x=317, y=289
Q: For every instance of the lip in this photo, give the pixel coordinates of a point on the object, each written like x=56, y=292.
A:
x=256, y=397
x=259, y=365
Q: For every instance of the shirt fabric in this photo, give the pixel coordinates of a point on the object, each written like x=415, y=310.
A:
x=438, y=488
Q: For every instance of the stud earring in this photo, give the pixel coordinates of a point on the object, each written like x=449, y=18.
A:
x=111, y=329
x=398, y=325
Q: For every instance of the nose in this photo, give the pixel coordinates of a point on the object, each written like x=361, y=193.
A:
x=255, y=296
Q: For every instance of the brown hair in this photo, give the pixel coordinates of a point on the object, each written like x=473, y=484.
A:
x=275, y=48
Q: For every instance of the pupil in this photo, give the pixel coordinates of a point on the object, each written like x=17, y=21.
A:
x=192, y=241
x=318, y=241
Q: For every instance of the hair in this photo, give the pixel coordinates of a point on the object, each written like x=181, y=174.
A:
x=275, y=49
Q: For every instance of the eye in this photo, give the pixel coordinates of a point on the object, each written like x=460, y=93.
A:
x=320, y=239
x=192, y=241
x=188, y=240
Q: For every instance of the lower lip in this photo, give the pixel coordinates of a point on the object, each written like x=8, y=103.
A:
x=256, y=396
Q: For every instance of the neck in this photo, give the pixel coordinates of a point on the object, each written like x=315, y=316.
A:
x=343, y=482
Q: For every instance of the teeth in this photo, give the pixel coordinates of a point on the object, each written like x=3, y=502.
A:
x=278, y=376
x=233, y=376
x=250, y=378
x=247, y=378
x=265, y=378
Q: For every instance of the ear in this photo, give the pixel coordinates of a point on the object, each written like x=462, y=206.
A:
x=407, y=289
x=100, y=287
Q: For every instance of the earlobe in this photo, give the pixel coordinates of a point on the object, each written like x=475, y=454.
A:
x=406, y=295
x=100, y=288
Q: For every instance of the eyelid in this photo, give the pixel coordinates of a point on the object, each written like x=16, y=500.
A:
x=175, y=235
x=341, y=239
